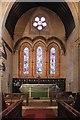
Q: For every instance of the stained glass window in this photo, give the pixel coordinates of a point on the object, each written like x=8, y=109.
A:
x=26, y=61
x=52, y=60
x=39, y=60
x=39, y=23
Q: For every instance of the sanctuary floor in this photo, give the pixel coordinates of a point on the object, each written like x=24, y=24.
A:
x=40, y=107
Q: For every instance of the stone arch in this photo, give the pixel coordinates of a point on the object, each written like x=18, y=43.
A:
x=21, y=40
x=58, y=42
x=21, y=59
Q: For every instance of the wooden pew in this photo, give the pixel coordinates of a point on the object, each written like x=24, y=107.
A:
x=2, y=102
x=13, y=111
x=11, y=97
x=77, y=102
x=59, y=95
x=66, y=111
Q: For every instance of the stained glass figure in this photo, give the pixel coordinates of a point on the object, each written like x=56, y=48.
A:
x=39, y=60
x=26, y=61
x=52, y=61
x=39, y=23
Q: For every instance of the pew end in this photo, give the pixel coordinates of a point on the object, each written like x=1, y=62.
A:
x=13, y=110
x=13, y=97
x=66, y=111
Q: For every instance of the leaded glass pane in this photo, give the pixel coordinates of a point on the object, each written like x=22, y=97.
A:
x=52, y=61
x=39, y=60
x=39, y=23
x=26, y=61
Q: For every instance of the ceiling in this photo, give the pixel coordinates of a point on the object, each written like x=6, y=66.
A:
x=60, y=8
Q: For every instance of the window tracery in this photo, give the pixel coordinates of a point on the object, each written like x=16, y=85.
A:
x=33, y=62
x=39, y=23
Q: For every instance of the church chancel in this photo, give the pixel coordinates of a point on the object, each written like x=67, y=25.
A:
x=40, y=57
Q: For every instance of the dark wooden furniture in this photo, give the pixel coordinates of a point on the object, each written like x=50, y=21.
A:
x=2, y=102
x=77, y=102
x=60, y=95
x=66, y=111
x=13, y=111
x=12, y=97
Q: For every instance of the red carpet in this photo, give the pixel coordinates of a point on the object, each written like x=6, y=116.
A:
x=36, y=114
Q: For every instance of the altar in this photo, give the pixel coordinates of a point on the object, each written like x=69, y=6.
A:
x=38, y=90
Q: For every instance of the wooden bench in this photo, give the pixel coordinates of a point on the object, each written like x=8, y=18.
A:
x=66, y=111
x=77, y=102
x=2, y=102
x=12, y=111
x=60, y=95
x=12, y=97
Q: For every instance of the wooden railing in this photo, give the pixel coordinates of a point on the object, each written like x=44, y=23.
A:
x=13, y=111
x=66, y=111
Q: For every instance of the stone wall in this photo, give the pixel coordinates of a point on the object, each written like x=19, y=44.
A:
x=54, y=28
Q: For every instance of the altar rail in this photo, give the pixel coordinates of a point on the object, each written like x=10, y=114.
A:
x=17, y=82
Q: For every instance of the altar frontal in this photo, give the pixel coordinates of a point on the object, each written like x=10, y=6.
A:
x=38, y=90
